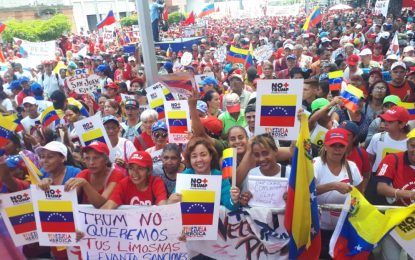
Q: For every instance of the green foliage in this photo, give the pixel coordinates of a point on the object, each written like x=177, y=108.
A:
x=176, y=17
x=37, y=30
x=129, y=20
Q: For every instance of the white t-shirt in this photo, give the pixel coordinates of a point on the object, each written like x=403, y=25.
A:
x=155, y=154
x=7, y=104
x=323, y=175
x=380, y=148
x=28, y=123
x=257, y=172
x=49, y=83
x=122, y=150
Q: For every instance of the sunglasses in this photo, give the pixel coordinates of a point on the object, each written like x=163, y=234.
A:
x=158, y=135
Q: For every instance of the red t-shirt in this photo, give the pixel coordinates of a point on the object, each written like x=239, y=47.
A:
x=361, y=161
x=126, y=192
x=402, y=91
x=402, y=177
x=115, y=176
x=147, y=140
x=20, y=96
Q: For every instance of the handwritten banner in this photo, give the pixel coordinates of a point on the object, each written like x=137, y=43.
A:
x=220, y=54
x=249, y=233
x=381, y=7
x=200, y=205
x=404, y=234
x=17, y=213
x=277, y=105
x=37, y=51
x=83, y=83
x=54, y=214
x=267, y=191
x=136, y=233
x=263, y=53
x=178, y=120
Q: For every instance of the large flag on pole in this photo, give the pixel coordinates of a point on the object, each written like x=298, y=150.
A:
x=301, y=214
x=190, y=20
x=361, y=226
x=313, y=19
x=209, y=9
x=108, y=20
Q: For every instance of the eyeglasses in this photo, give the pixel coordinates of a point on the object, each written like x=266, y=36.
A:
x=158, y=135
x=380, y=88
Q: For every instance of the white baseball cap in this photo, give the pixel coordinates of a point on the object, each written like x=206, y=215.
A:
x=54, y=146
x=29, y=100
x=408, y=48
x=366, y=51
x=131, y=58
x=392, y=57
x=398, y=64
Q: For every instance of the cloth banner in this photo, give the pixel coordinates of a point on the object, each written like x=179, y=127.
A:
x=249, y=233
x=263, y=53
x=37, y=51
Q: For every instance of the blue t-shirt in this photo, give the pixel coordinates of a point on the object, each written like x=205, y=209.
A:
x=71, y=172
x=225, y=196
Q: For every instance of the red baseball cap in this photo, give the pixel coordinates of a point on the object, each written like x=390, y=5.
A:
x=112, y=85
x=337, y=136
x=120, y=59
x=212, y=124
x=396, y=113
x=352, y=60
x=98, y=147
x=372, y=35
x=141, y=158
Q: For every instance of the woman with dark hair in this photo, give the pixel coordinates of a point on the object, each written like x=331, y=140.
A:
x=377, y=92
x=201, y=158
x=72, y=115
x=238, y=138
x=212, y=99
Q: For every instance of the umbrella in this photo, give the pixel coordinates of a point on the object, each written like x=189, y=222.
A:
x=341, y=7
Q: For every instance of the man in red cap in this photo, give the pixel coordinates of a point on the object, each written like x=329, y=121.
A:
x=370, y=38
x=352, y=67
x=112, y=91
x=399, y=85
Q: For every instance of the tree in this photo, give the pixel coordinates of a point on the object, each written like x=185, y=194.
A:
x=129, y=20
x=176, y=17
x=37, y=30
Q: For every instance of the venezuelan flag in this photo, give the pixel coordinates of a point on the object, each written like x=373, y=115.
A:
x=197, y=207
x=49, y=115
x=7, y=129
x=237, y=55
x=301, y=214
x=14, y=119
x=335, y=80
x=410, y=107
x=351, y=97
x=278, y=110
x=313, y=19
x=56, y=216
x=108, y=20
x=34, y=172
x=82, y=109
x=228, y=163
x=209, y=9
x=177, y=122
x=22, y=218
x=361, y=226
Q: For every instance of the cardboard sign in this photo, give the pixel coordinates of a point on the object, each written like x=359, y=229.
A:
x=83, y=83
x=178, y=120
x=200, y=78
x=135, y=233
x=318, y=134
x=263, y=53
x=54, y=214
x=17, y=213
x=277, y=105
x=91, y=129
x=200, y=205
x=267, y=191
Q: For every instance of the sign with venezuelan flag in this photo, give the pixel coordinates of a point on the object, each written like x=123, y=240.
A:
x=156, y=99
x=277, y=105
x=17, y=213
x=54, y=214
x=91, y=129
x=180, y=84
x=178, y=121
x=200, y=205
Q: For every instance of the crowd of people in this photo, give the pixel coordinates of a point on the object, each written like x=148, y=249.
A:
x=371, y=147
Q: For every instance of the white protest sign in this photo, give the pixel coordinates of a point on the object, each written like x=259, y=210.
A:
x=318, y=134
x=404, y=234
x=178, y=120
x=37, y=51
x=54, y=213
x=201, y=77
x=17, y=213
x=267, y=191
x=108, y=37
x=91, y=129
x=248, y=233
x=200, y=205
x=136, y=233
x=166, y=91
x=277, y=104
x=156, y=101
x=186, y=59
x=220, y=53
x=381, y=7
x=125, y=97
x=80, y=71
x=83, y=83
x=263, y=52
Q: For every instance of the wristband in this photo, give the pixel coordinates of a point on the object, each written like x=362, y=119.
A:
x=396, y=193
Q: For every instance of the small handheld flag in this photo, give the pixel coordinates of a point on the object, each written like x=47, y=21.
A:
x=34, y=172
x=229, y=164
x=335, y=80
x=351, y=97
x=410, y=107
x=49, y=115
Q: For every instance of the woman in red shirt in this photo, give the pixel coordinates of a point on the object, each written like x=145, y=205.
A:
x=97, y=182
x=140, y=187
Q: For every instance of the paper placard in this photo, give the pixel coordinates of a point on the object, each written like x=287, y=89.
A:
x=125, y=97
x=220, y=54
x=108, y=37
x=200, y=205
x=156, y=101
x=91, y=129
x=54, y=213
x=267, y=191
x=17, y=213
x=404, y=234
x=178, y=120
x=136, y=233
x=83, y=83
x=263, y=52
x=381, y=7
x=180, y=84
x=200, y=78
x=318, y=134
x=277, y=105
